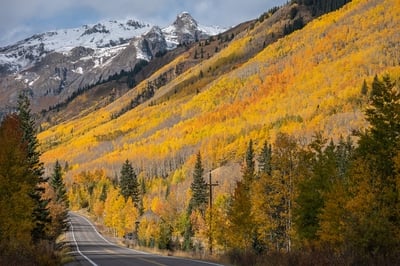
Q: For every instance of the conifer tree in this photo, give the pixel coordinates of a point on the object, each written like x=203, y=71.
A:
x=249, y=167
x=59, y=202
x=57, y=183
x=312, y=190
x=373, y=177
x=364, y=88
x=40, y=214
x=129, y=185
x=199, y=189
x=264, y=159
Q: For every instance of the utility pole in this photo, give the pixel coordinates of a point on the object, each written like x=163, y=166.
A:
x=211, y=185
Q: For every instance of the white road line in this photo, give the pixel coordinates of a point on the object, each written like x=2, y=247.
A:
x=131, y=250
x=77, y=247
x=108, y=242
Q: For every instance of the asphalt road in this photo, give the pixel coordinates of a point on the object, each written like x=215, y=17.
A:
x=91, y=248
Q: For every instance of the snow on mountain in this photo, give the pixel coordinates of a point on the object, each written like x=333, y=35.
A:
x=106, y=38
x=55, y=64
x=102, y=36
x=186, y=29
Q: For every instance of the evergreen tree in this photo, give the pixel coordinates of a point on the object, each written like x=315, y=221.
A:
x=60, y=204
x=57, y=183
x=199, y=189
x=41, y=215
x=264, y=160
x=311, y=201
x=361, y=213
x=129, y=185
x=373, y=183
x=381, y=142
x=364, y=88
x=249, y=168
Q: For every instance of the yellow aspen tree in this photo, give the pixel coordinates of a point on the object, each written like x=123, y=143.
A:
x=131, y=215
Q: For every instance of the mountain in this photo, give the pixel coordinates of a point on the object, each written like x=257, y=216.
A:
x=186, y=30
x=55, y=65
x=307, y=81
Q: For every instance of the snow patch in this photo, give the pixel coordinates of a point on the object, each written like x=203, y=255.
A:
x=78, y=70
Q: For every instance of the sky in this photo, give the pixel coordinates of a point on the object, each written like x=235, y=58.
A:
x=20, y=19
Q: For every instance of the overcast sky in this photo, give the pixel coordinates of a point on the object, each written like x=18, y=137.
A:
x=20, y=19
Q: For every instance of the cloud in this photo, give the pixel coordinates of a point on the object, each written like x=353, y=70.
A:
x=22, y=18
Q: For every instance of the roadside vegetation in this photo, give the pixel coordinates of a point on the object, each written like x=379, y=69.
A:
x=33, y=208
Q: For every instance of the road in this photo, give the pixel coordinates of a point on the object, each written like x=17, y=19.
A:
x=91, y=248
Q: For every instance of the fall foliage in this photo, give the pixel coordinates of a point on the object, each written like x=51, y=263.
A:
x=308, y=182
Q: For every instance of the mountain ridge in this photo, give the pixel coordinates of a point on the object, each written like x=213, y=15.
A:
x=55, y=65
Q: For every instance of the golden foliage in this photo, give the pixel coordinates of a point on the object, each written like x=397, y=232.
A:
x=306, y=82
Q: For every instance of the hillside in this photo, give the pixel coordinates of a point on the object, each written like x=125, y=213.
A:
x=306, y=82
x=273, y=117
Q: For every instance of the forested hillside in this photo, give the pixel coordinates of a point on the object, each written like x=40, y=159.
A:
x=285, y=131
x=309, y=81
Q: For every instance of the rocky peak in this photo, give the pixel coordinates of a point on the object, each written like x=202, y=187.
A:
x=183, y=30
x=185, y=21
x=55, y=65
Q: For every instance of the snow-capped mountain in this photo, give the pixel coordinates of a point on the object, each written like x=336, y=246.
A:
x=101, y=36
x=186, y=30
x=56, y=64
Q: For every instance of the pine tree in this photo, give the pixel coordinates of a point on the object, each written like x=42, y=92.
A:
x=264, y=159
x=41, y=215
x=364, y=88
x=59, y=204
x=57, y=183
x=261, y=195
x=312, y=190
x=381, y=141
x=249, y=167
x=373, y=177
x=199, y=189
x=129, y=185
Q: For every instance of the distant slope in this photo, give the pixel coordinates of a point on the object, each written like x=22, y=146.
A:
x=306, y=82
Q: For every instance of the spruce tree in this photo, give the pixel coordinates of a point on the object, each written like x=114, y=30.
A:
x=249, y=167
x=376, y=229
x=381, y=141
x=128, y=184
x=40, y=215
x=264, y=159
x=364, y=88
x=59, y=218
x=199, y=189
x=56, y=182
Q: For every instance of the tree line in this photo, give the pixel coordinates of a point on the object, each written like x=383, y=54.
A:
x=33, y=208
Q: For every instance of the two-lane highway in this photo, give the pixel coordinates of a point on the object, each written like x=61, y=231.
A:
x=91, y=248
